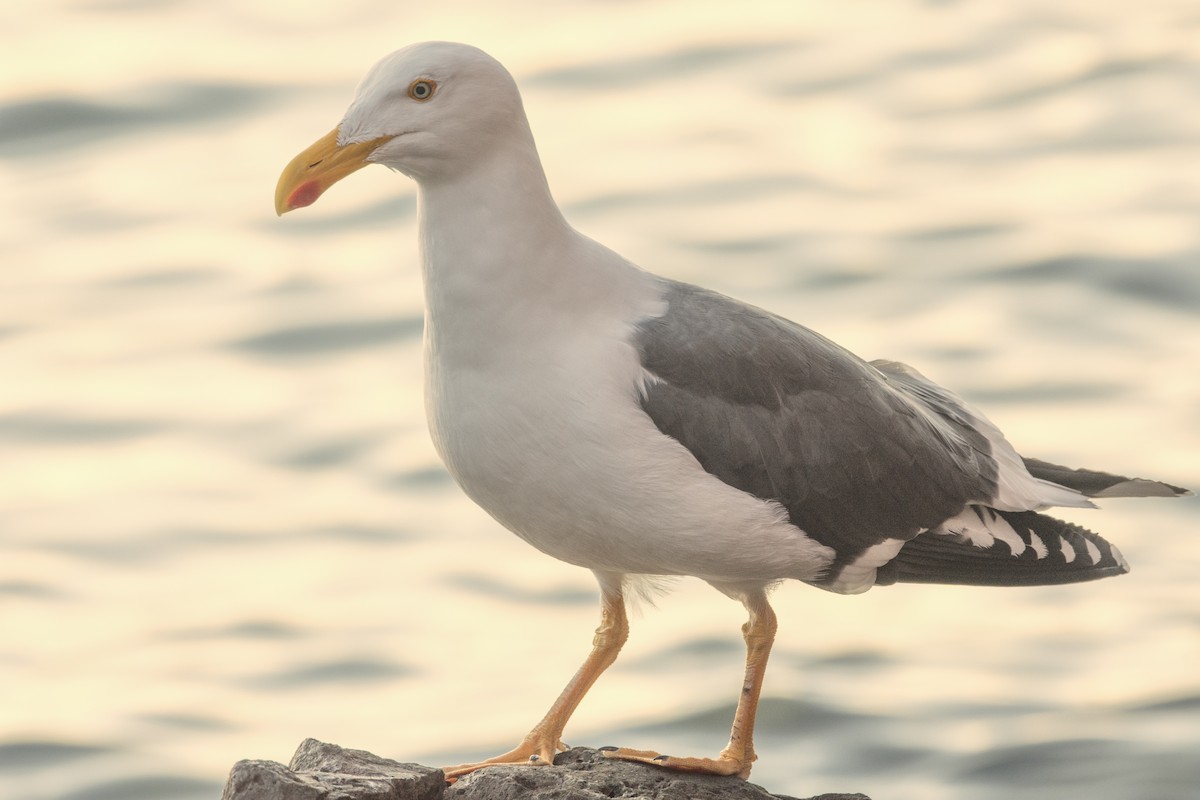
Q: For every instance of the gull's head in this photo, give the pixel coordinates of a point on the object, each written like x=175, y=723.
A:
x=427, y=111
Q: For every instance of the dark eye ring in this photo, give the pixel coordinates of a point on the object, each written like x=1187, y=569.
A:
x=421, y=90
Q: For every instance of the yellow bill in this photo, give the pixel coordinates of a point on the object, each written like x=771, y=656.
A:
x=322, y=165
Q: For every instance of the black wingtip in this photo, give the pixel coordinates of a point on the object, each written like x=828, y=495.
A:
x=1054, y=552
x=1094, y=483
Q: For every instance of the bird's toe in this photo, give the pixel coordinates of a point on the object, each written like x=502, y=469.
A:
x=724, y=764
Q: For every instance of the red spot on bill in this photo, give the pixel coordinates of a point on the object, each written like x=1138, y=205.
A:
x=305, y=195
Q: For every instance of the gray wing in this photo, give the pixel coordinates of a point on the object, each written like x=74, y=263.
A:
x=857, y=453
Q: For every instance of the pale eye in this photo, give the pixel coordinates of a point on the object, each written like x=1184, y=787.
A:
x=421, y=90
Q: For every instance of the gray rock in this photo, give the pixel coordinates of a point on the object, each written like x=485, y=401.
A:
x=322, y=771
x=584, y=774
x=269, y=780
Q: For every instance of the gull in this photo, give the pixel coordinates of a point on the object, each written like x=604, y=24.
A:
x=637, y=426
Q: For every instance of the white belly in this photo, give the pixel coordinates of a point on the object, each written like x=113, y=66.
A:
x=549, y=439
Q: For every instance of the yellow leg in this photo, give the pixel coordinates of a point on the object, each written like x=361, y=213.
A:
x=738, y=755
x=540, y=745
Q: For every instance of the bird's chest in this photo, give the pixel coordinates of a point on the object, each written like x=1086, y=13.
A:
x=495, y=423
x=535, y=430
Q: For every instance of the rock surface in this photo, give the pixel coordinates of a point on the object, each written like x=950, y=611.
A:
x=321, y=771
x=584, y=774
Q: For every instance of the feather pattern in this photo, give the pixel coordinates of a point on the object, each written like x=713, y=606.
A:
x=985, y=547
x=857, y=456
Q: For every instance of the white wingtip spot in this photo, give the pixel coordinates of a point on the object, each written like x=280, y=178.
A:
x=1119, y=558
x=1093, y=551
x=1067, y=550
x=1039, y=546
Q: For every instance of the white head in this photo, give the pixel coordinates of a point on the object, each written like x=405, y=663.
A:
x=429, y=110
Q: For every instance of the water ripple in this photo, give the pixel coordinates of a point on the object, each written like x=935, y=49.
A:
x=52, y=124
x=1047, y=764
x=147, y=787
x=422, y=479
x=257, y=630
x=188, y=722
x=1159, y=282
x=165, y=278
x=329, y=338
x=1047, y=392
x=32, y=755
x=716, y=192
x=489, y=586
x=50, y=428
x=1188, y=704
x=1097, y=74
x=29, y=590
x=621, y=70
x=350, y=670
x=333, y=453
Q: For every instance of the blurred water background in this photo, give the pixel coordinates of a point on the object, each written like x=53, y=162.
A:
x=223, y=527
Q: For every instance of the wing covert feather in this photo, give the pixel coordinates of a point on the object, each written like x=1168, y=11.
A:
x=853, y=453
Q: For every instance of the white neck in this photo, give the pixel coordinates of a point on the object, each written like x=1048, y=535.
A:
x=493, y=245
x=476, y=224
x=504, y=272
